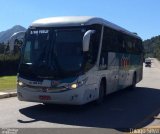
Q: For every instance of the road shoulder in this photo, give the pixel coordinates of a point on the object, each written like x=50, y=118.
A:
x=7, y=94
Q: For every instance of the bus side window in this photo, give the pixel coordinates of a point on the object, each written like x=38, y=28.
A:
x=104, y=50
x=91, y=55
x=93, y=48
x=121, y=43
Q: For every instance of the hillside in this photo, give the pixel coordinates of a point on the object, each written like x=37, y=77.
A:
x=152, y=47
x=5, y=35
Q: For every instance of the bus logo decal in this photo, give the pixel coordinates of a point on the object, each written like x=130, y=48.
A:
x=124, y=62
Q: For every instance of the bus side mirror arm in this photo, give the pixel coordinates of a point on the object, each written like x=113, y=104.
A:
x=86, y=40
x=13, y=38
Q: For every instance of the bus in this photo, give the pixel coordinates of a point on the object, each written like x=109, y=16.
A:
x=76, y=60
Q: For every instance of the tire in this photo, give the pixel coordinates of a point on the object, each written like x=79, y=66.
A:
x=133, y=82
x=101, y=93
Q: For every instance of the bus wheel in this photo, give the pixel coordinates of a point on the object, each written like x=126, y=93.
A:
x=133, y=82
x=101, y=93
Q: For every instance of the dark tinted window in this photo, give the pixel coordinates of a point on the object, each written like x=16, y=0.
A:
x=91, y=55
x=68, y=49
x=115, y=41
x=110, y=40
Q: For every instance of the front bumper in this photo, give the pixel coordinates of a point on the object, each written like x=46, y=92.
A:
x=75, y=96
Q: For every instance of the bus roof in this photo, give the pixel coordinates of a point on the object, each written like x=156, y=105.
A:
x=78, y=21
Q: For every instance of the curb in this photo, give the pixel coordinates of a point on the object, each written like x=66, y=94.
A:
x=7, y=95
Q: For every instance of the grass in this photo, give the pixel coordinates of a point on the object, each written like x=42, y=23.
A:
x=7, y=83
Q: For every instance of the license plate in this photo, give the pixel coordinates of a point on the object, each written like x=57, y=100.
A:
x=44, y=97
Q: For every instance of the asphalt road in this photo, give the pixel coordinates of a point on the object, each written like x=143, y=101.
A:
x=120, y=111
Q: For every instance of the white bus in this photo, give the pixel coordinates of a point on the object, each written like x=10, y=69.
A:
x=76, y=60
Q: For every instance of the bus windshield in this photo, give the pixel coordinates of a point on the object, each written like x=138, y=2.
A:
x=56, y=51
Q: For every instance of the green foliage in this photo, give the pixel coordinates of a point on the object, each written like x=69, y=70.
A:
x=9, y=61
x=152, y=47
x=157, y=51
x=9, y=64
x=9, y=57
x=2, y=48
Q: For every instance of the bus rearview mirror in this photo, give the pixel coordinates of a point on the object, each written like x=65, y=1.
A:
x=86, y=40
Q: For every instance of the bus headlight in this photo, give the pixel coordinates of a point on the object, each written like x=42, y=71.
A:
x=76, y=85
x=20, y=83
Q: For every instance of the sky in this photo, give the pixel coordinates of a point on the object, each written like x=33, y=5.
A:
x=140, y=16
